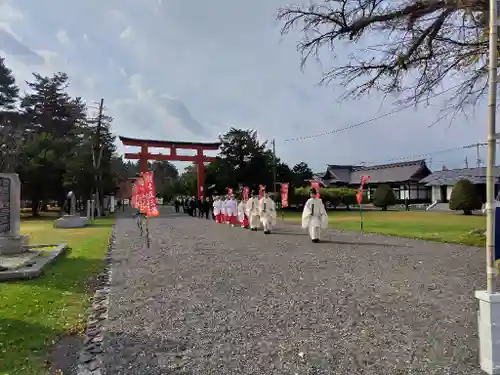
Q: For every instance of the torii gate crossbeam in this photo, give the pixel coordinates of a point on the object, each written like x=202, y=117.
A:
x=199, y=159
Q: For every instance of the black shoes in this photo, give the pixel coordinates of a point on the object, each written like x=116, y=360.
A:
x=316, y=240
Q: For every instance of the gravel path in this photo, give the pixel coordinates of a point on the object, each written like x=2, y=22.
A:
x=209, y=299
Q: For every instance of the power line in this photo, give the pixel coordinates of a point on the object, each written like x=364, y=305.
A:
x=430, y=154
x=396, y=110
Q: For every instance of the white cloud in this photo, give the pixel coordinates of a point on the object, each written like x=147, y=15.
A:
x=127, y=33
x=190, y=71
x=10, y=14
x=63, y=37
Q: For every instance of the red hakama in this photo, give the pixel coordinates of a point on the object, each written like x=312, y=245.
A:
x=244, y=223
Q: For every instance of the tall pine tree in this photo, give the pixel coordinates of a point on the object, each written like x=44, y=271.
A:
x=11, y=130
x=55, y=123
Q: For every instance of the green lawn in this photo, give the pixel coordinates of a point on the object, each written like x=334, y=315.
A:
x=435, y=226
x=33, y=314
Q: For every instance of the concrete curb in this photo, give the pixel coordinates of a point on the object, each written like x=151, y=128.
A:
x=37, y=268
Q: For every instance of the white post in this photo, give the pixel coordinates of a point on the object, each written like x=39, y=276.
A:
x=112, y=204
x=88, y=209
x=488, y=316
x=92, y=209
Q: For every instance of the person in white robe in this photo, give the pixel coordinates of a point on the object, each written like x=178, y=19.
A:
x=217, y=209
x=223, y=210
x=252, y=211
x=232, y=211
x=267, y=213
x=242, y=216
x=314, y=216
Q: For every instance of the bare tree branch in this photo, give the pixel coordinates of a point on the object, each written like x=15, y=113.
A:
x=411, y=48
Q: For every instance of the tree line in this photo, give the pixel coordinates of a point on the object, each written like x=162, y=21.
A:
x=57, y=143
x=54, y=141
x=243, y=160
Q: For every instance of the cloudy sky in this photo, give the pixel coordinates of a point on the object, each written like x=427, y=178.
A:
x=188, y=70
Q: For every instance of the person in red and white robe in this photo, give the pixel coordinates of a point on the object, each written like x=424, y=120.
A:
x=232, y=211
x=217, y=208
x=242, y=217
x=223, y=210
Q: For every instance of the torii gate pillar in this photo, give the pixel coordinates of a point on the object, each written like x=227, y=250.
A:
x=199, y=159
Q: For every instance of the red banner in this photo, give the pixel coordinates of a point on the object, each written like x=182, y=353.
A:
x=140, y=196
x=359, y=194
x=262, y=189
x=315, y=185
x=150, y=195
x=284, y=195
x=246, y=191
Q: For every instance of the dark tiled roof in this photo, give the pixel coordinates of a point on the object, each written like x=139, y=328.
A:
x=451, y=176
x=339, y=173
x=396, y=172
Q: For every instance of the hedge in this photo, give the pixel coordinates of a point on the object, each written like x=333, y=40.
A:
x=334, y=196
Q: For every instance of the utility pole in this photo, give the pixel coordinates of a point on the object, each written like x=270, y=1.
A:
x=466, y=163
x=96, y=158
x=492, y=136
x=489, y=301
x=274, y=169
x=478, y=156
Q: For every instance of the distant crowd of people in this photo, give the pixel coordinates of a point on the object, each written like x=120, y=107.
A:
x=194, y=207
x=253, y=212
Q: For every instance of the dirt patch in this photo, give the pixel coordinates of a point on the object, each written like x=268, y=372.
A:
x=64, y=356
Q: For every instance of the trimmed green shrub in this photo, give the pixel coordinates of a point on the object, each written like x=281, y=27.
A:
x=384, y=197
x=334, y=196
x=464, y=197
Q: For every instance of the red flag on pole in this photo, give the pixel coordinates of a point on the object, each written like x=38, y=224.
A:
x=150, y=195
x=140, y=196
x=359, y=194
x=284, y=195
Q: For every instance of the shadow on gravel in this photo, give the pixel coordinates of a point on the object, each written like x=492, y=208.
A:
x=349, y=243
x=364, y=244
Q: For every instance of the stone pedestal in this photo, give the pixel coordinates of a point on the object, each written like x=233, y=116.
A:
x=13, y=245
x=71, y=221
x=488, y=318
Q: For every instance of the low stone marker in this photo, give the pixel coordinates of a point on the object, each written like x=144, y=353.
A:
x=18, y=260
x=72, y=220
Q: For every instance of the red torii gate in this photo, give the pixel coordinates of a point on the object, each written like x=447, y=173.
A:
x=199, y=159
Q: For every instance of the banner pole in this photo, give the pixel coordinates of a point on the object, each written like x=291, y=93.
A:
x=147, y=232
x=361, y=217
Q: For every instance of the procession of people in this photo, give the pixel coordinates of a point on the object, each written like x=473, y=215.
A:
x=254, y=212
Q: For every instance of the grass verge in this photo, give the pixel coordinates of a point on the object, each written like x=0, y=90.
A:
x=434, y=226
x=35, y=313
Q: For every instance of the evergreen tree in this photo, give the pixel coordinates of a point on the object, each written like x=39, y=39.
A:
x=384, y=197
x=464, y=197
x=9, y=92
x=11, y=129
x=49, y=108
x=55, y=125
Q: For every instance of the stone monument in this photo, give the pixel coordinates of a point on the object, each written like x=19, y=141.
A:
x=72, y=220
x=11, y=241
x=18, y=260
